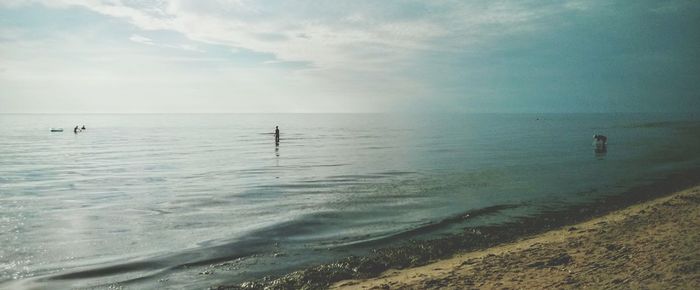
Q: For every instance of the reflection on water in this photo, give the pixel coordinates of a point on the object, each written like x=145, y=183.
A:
x=600, y=150
x=277, y=154
x=152, y=201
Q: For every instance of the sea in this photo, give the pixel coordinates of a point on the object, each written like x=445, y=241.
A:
x=190, y=201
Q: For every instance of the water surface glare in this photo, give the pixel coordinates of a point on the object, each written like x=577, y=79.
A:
x=190, y=201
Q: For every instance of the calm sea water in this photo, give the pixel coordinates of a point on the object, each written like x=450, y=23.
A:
x=190, y=201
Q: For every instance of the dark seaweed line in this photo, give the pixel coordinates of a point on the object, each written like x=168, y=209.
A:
x=419, y=253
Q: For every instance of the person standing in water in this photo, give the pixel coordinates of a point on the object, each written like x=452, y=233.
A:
x=277, y=135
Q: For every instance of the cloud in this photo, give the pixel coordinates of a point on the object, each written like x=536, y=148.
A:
x=148, y=41
x=362, y=55
x=141, y=39
x=366, y=34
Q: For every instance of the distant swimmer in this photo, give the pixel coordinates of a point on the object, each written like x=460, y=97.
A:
x=601, y=148
x=83, y=128
x=277, y=135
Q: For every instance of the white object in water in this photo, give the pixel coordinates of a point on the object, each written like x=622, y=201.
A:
x=56, y=129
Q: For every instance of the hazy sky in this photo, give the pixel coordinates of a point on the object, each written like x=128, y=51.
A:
x=349, y=56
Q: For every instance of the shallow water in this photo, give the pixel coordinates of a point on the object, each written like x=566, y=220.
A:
x=185, y=201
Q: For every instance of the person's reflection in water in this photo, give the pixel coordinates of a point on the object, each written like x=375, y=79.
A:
x=600, y=151
x=277, y=155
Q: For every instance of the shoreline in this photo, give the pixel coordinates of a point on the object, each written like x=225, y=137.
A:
x=652, y=245
x=417, y=253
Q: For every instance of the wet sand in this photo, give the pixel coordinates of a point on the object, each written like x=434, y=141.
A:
x=652, y=245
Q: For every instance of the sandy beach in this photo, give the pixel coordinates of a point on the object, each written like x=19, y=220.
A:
x=652, y=245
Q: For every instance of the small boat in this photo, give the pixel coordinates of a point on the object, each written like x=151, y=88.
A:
x=56, y=129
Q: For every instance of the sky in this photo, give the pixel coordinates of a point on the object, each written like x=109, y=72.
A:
x=275, y=56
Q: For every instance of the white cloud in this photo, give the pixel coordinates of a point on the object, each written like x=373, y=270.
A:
x=326, y=55
x=141, y=39
x=367, y=35
x=148, y=41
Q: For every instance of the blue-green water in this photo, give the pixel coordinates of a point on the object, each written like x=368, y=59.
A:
x=190, y=201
